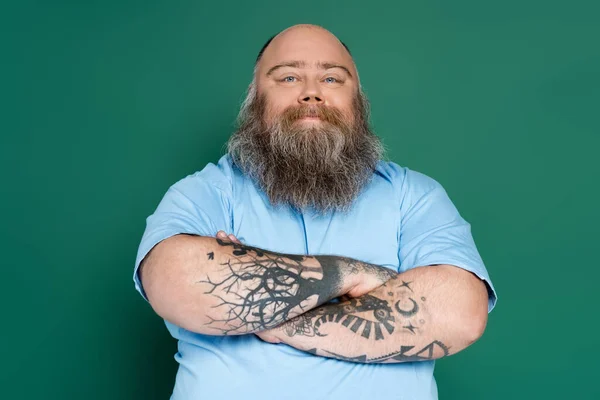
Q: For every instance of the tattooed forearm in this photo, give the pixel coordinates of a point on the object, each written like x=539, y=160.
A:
x=386, y=325
x=370, y=315
x=253, y=289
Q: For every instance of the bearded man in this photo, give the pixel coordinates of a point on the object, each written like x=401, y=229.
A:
x=302, y=265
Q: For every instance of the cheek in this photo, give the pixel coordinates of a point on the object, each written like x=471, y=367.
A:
x=348, y=111
x=275, y=106
x=272, y=114
x=343, y=102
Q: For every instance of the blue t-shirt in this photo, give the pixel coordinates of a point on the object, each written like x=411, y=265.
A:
x=403, y=219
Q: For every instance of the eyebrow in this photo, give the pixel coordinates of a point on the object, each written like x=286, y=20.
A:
x=303, y=64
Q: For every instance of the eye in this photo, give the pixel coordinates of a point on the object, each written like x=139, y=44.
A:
x=331, y=79
x=288, y=79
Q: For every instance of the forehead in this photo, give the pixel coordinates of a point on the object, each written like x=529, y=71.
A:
x=311, y=46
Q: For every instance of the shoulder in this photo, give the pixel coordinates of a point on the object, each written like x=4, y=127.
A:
x=406, y=180
x=212, y=177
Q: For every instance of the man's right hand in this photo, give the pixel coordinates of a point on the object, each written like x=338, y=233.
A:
x=368, y=278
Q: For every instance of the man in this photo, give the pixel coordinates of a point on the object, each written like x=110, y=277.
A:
x=302, y=266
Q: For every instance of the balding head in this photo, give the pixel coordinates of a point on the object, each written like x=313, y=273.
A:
x=262, y=50
x=307, y=26
x=307, y=43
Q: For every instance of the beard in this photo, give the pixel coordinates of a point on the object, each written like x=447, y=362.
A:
x=323, y=165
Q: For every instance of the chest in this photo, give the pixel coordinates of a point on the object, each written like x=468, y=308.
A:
x=369, y=232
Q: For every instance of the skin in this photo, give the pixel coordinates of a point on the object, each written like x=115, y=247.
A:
x=325, y=74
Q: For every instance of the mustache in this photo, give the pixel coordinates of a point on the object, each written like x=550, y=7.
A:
x=327, y=114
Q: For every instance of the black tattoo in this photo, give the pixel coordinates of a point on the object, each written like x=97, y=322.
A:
x=359, y=359
x=407, y=313
x=433, y=350
x=393, y=308
x=345, y=315
x=351, y=314
x=261, y=289
x=312, y=351
x=406, y=285
x=410, y=327
x=301, y=325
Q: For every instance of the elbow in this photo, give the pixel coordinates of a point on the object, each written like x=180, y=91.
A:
x=167, y=281
x=474, y=320
x=474, y=310
x=474, y=327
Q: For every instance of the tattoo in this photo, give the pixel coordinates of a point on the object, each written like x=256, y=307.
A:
x=359, y=359
x=433, y=350
x=407, y=313
x=259, y=289
x=393, y=308
x=301, y=325
x=345, y=315
x=406, y=285
x=312, y=351
x=410, y=327
x=369, y=316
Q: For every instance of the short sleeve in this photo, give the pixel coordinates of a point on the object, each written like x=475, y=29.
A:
x=198, y=204
x=433, y=232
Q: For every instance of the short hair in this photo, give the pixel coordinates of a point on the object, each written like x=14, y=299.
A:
x=262, y=50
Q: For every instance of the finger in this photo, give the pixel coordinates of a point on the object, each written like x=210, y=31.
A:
x=266, y=337
x=221, y=235
x=234, y=239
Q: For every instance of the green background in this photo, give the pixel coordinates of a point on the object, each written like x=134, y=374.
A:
x=105, y=104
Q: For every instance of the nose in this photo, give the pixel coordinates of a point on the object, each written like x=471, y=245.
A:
x=311, y=94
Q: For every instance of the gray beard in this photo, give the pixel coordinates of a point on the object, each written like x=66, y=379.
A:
x=323, y=166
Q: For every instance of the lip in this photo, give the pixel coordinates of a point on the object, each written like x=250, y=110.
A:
x=311, y=118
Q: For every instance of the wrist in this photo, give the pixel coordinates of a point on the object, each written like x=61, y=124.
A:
x=350, y=282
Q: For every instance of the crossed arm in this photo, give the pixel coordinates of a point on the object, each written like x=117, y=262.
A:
x=222, y=287
x=422, y=314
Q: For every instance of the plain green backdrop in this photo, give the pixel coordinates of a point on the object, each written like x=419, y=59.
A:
x=105, y=104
